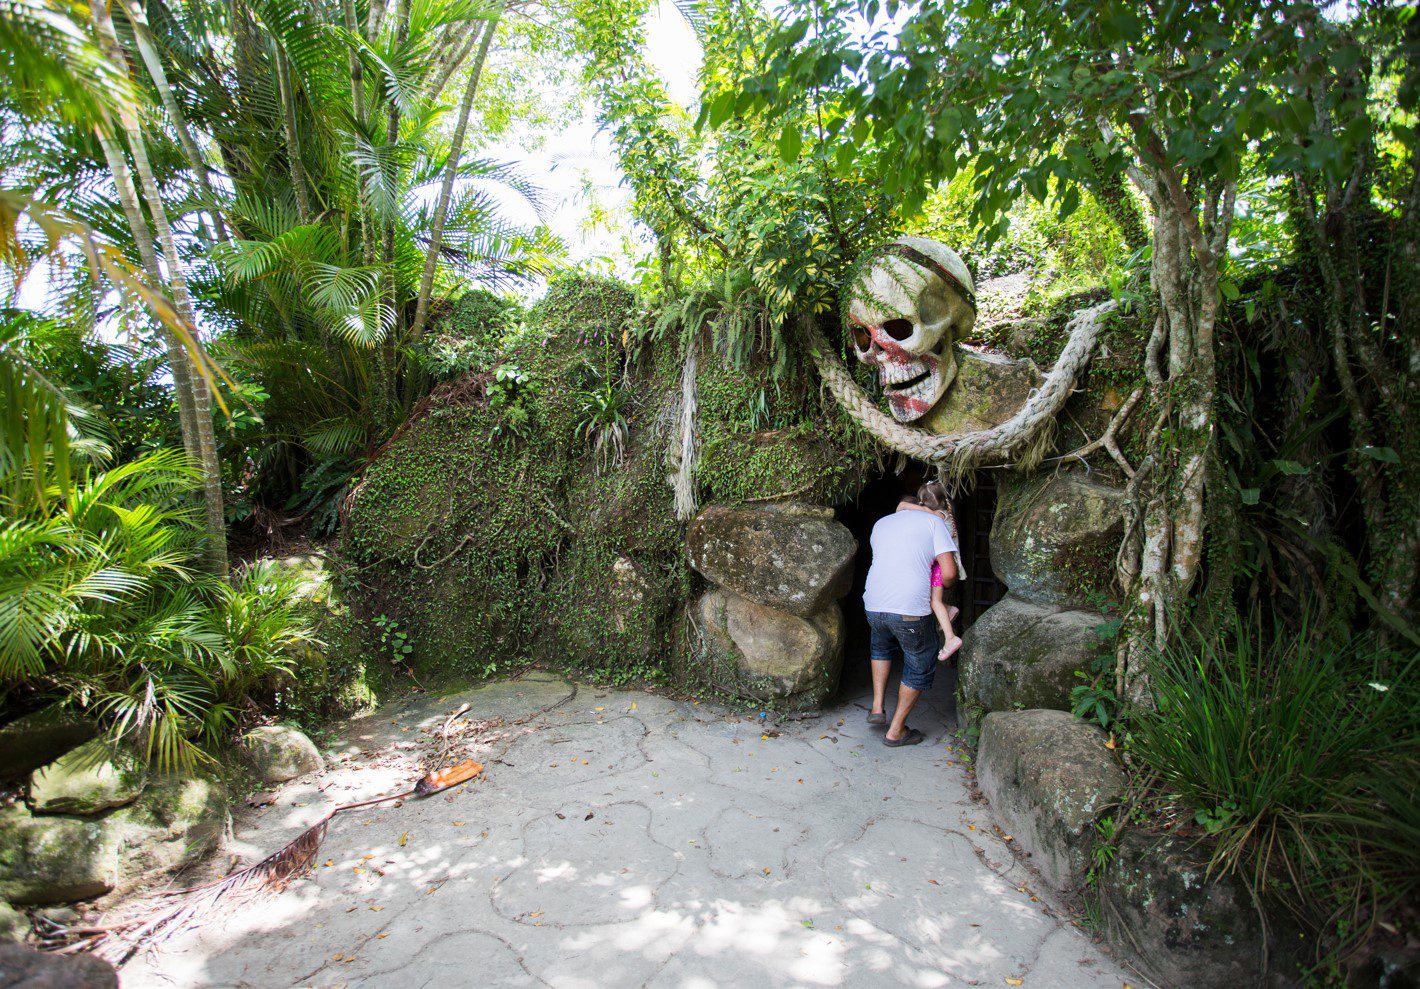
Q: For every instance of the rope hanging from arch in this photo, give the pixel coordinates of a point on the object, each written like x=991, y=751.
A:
x=1021, y=439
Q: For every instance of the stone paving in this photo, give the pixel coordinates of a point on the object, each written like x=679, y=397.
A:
x=620, y=839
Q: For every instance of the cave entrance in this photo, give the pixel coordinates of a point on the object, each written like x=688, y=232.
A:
x=975, y=509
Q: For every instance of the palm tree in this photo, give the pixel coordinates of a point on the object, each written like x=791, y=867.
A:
x=49, y=56
x=332, y=150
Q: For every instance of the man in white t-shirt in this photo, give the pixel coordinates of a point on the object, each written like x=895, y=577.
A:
x=898, y=600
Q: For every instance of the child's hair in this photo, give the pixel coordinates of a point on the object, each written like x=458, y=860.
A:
x=932, y=495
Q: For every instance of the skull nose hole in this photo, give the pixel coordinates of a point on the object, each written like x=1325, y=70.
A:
x=862, y=337
x=898, y=329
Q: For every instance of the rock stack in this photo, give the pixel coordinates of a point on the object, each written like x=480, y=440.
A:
x=770, y=628
x=1053, y=543
x=96, y=820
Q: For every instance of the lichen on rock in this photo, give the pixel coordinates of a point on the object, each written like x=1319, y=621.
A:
x=1049, y=777
x=94, y=777
x=1024, y=655
x=750, y=650
x=56, y=859
x=490, y=533
x=1055, y=537
x=277, y=753
x=795, y=560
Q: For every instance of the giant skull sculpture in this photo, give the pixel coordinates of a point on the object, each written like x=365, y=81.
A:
x=914, y=301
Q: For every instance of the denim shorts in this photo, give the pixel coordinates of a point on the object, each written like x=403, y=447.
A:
x=913, y=638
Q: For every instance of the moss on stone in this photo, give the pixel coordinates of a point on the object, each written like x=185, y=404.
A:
x=489, y=535
x=763, y=437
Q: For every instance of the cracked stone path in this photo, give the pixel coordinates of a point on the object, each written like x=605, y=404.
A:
x=620, y=838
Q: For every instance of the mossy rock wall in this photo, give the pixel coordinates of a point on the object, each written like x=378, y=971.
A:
x=490, y=533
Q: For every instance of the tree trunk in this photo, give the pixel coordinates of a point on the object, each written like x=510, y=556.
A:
x=202, y=443
x=446, y=191
x=357, y=68
x=143, y=238
x=387, y=354
x=149, y=52
x=286, y=88
x=449, y=63
x=1163, y=549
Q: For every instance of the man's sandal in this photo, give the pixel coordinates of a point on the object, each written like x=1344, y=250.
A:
x=911, y=737
x=877, y=719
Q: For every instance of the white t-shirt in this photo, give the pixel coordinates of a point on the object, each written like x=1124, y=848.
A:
x=905, y=545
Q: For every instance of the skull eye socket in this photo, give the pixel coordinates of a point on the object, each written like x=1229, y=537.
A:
x=861, y=337
x=898, y=329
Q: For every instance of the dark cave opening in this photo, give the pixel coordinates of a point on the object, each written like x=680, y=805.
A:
x=974, y=508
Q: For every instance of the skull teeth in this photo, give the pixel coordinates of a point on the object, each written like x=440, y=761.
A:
x=894, y=372
x=912, y=402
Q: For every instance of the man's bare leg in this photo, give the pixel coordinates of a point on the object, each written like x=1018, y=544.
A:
x=881, y=669
x=906, y=697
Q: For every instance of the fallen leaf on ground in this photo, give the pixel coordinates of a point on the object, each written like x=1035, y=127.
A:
x=458, y=824
x=1014, y=982
x=934, y=882
x=404, y=839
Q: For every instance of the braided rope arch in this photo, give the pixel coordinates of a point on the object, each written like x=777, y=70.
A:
x=1021, y=440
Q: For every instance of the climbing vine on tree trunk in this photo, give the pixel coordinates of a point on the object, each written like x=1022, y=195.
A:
x=1166, y=503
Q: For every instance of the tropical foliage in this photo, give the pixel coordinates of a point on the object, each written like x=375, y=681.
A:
x=247, y=246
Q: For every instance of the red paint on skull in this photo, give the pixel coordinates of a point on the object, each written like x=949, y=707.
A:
x=918, y=406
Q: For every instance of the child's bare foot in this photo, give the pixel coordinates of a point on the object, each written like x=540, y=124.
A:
x=952, y=612
x=949, y=650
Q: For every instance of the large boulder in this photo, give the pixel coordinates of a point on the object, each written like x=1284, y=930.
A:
x=45, y=859
x=94, y=777
x=26, y=968
x=39, y=738
x=769, y=655
x=1021, y=655
x=1185, y=927
x=988, y=390
x=795, y=558
x=1055, y=538
x=1049, y=777
x=14, y=926
x=277, y=753
x=177, y=821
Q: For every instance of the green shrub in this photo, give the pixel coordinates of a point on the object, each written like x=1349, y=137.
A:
x=1299, y=755
x=101, y=611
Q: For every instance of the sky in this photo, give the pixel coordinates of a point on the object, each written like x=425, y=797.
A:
x=579, y=154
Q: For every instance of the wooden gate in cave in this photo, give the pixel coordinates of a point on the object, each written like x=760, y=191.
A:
x=975, y=512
